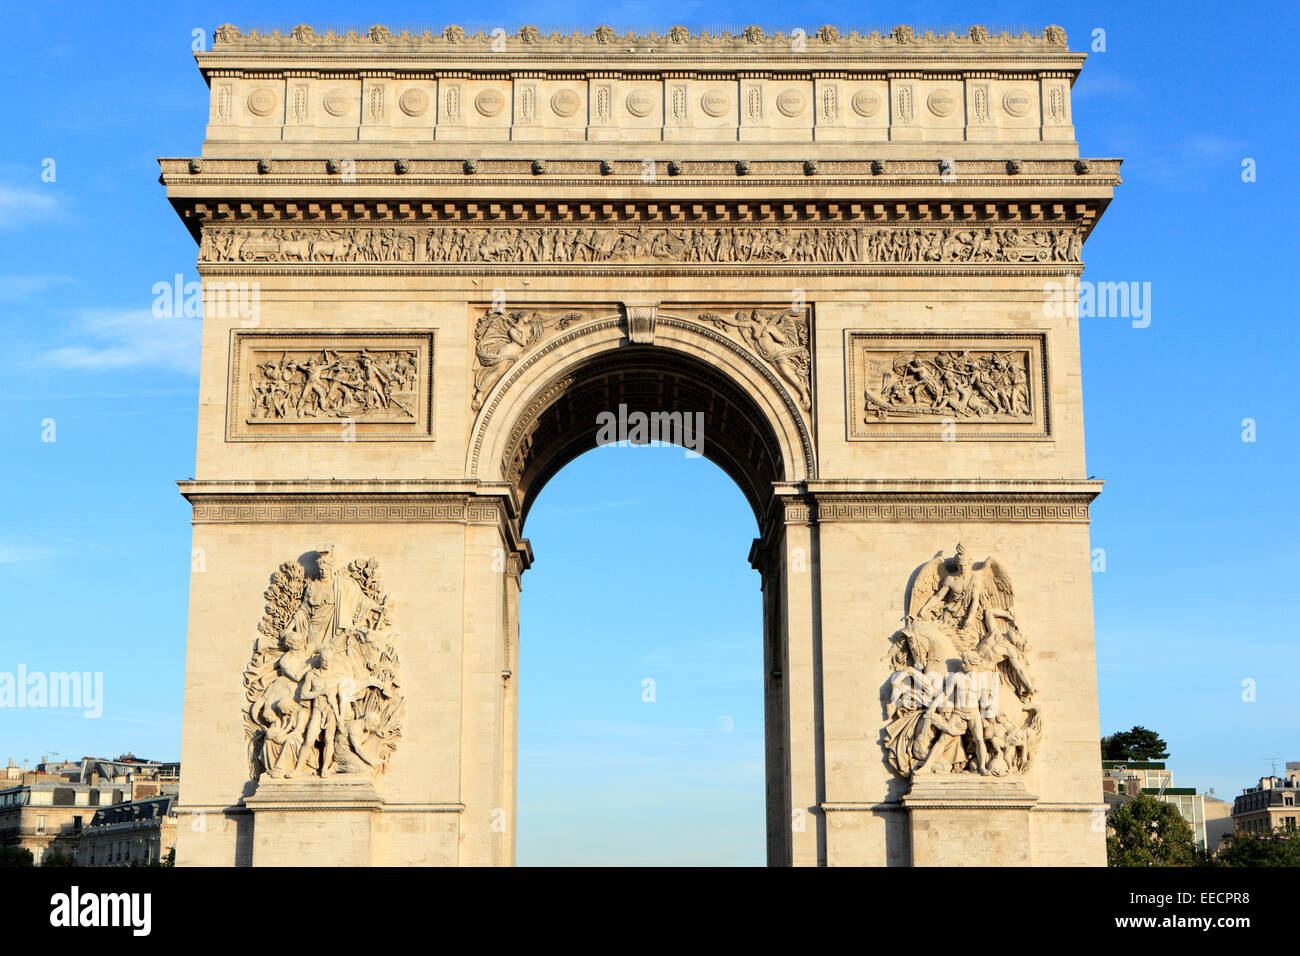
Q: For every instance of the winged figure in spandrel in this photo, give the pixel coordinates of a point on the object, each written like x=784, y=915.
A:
x=959, y=646
x=780, y=337
x=501, y=339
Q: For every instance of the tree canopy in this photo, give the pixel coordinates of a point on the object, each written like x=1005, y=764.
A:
x=1136, y=744
x=1149, y=832
x=1278, y=848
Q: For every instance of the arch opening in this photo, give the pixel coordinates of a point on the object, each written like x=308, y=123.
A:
x=678, y=392
x=646, y=706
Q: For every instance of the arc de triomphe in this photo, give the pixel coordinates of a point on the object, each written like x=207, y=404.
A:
x=432, y=260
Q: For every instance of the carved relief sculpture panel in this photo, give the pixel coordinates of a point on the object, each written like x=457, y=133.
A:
x=946, y=386
x=961, y=698
x=330, y=386
x=322, y=690
x=641, y=243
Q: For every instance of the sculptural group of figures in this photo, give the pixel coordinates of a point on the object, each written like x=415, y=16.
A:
x=383, y=244
x=322, y=686
x=975, y=245
x=359, y=385
x=961, y=384
x=642, y=243
x=778, y=336
x=961, y=697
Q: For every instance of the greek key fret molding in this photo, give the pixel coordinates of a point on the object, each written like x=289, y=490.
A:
x=934, y=500
x=343, y=508
x=388, y=809
x=1019, y=508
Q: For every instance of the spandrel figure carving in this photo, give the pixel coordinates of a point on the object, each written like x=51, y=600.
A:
x=322, y=686
x=961, y=696
x=780, y=338
x=502, y=338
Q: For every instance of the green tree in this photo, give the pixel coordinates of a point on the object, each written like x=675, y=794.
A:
x=1136, y=744
x=1279, y=848
x=15, y=856
x=57, y=858
x=1149, y=832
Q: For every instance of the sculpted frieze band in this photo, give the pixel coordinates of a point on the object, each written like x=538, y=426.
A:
x=641, y=243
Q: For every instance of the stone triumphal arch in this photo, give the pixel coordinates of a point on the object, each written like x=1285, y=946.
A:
x=432, y=260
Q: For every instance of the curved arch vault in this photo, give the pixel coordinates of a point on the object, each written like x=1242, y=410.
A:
x=835, y=259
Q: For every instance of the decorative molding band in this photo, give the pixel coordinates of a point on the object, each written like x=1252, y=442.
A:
x=733, y=271
x=1070, y=808
x=565, y=171
x=826, y=40
x=350, y=509
x=850, y=807
x=200, y=811
x=369, y=806
x=674, y=210
x=931, y=805
x=1047, y=509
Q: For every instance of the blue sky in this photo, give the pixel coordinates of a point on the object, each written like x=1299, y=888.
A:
x=1198, y=526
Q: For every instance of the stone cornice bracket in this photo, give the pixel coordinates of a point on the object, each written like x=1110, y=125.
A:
x=640, y=323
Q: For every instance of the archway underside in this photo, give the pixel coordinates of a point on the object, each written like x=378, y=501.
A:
x=735, y=436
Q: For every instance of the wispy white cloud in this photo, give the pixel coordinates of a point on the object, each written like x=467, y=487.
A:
x=591, y=508
x=18, y=551
x=130, y=339
x=1190, y=162
x=17, y=288
x=1102, y=83
x=24, y=204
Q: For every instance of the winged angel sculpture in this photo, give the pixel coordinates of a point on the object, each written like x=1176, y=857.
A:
x=780, y=337
x=961, y=696
x=321, y=688
x=502, y=338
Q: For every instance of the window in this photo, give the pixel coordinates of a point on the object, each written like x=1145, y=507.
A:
x=40, y=823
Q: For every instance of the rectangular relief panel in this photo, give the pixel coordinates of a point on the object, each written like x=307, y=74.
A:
x=299, y=385
x=946, y=386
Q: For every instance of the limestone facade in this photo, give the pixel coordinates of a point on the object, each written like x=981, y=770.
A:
x=431, y=260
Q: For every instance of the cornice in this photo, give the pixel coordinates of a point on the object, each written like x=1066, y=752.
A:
x=461, y=487
x=820, y=501
x=325, y=212
x=314, y=173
